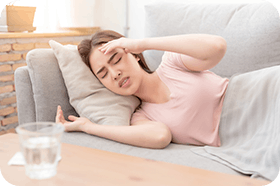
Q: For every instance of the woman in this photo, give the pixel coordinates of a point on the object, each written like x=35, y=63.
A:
x=181, y=100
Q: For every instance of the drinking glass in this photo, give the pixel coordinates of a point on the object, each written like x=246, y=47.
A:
x=40, y=144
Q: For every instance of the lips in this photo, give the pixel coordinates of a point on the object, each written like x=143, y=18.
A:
x=123, y=81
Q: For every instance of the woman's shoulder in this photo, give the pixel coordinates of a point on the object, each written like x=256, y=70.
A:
x=169, y=56
x=172, y=60
x=139, y=114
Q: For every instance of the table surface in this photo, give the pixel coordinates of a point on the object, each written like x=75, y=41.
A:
x=87, y=166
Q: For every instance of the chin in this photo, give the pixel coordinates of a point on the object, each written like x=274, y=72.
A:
x=127, y=92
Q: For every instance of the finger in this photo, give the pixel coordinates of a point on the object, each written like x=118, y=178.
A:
x=110, y=46
x=106, y=51
x=105, y=47
x=57, y=118
x=103, y=50
x=61, y=116
x=72, y=118
x=58, y=108
x=109, y=49
x=102, y=46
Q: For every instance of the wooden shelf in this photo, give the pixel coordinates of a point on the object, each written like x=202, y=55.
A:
x=65, y=32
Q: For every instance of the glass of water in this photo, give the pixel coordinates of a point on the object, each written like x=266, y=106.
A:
x=40, y=144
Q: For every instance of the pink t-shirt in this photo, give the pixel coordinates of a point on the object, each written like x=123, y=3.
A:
x=193, y=112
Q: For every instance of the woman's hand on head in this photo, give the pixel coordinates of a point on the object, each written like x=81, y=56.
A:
x=129, y=46
x=75, y=123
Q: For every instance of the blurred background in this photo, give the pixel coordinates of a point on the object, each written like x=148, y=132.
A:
x=67, y=22
x=124, y=16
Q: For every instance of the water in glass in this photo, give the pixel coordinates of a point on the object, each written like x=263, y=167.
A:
x=40, y=154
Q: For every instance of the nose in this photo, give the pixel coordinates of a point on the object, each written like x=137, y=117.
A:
x=116, y=75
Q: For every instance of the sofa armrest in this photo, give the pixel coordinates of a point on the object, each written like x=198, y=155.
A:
x=24, y=94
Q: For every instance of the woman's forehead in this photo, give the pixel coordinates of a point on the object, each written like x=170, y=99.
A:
x=98, y=58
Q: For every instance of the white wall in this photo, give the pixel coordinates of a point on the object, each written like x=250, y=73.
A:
x=110, y=14
x=76, y=12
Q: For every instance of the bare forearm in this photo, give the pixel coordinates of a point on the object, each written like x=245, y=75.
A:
x=200, y=46
x=149, y=136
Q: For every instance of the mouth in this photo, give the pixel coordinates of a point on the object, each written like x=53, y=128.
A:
x=124, y=82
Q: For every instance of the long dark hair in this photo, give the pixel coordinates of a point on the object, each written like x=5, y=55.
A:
x=86, y=47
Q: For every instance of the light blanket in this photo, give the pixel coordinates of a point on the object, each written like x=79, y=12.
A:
x=250, y=125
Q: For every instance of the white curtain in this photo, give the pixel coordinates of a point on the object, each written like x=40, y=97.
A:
x=76, y=13
x=46, y=16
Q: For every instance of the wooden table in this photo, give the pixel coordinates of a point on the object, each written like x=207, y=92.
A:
x=87, y=166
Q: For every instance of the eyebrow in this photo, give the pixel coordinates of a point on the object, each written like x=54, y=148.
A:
x=111, y=58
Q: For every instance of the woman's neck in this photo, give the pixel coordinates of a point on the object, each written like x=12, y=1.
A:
x=152, y=89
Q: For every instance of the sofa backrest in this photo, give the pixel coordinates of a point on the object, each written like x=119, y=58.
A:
x=252, y=31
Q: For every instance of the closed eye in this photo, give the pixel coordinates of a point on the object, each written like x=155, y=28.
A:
x=104, y=75
x=107, y=71
x=117, y=61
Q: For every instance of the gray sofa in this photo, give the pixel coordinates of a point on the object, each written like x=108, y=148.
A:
x=252, y=32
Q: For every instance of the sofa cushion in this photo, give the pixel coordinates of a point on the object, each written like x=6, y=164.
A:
x=252, y=31
x=173, y=153
x=87, y=95
x=48, y=88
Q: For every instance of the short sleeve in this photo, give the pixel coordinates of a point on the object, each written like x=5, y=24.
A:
x=138, y=115
x=174, y=60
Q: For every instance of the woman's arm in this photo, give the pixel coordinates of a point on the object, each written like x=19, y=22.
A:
x=146, y=134
x=143, y=133
x=202, y=51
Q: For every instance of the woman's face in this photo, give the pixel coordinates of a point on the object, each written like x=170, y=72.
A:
x=118, y=71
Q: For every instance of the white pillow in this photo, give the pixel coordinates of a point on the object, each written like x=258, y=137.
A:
x=87, y=95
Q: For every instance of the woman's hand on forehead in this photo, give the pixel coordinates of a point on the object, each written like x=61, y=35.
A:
x=129, y=46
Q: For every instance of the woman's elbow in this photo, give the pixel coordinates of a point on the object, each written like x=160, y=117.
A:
x=219, y=51
x=221, y=46
x=164, y=139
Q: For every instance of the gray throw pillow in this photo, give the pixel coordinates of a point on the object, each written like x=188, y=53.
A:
x=87, y=95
